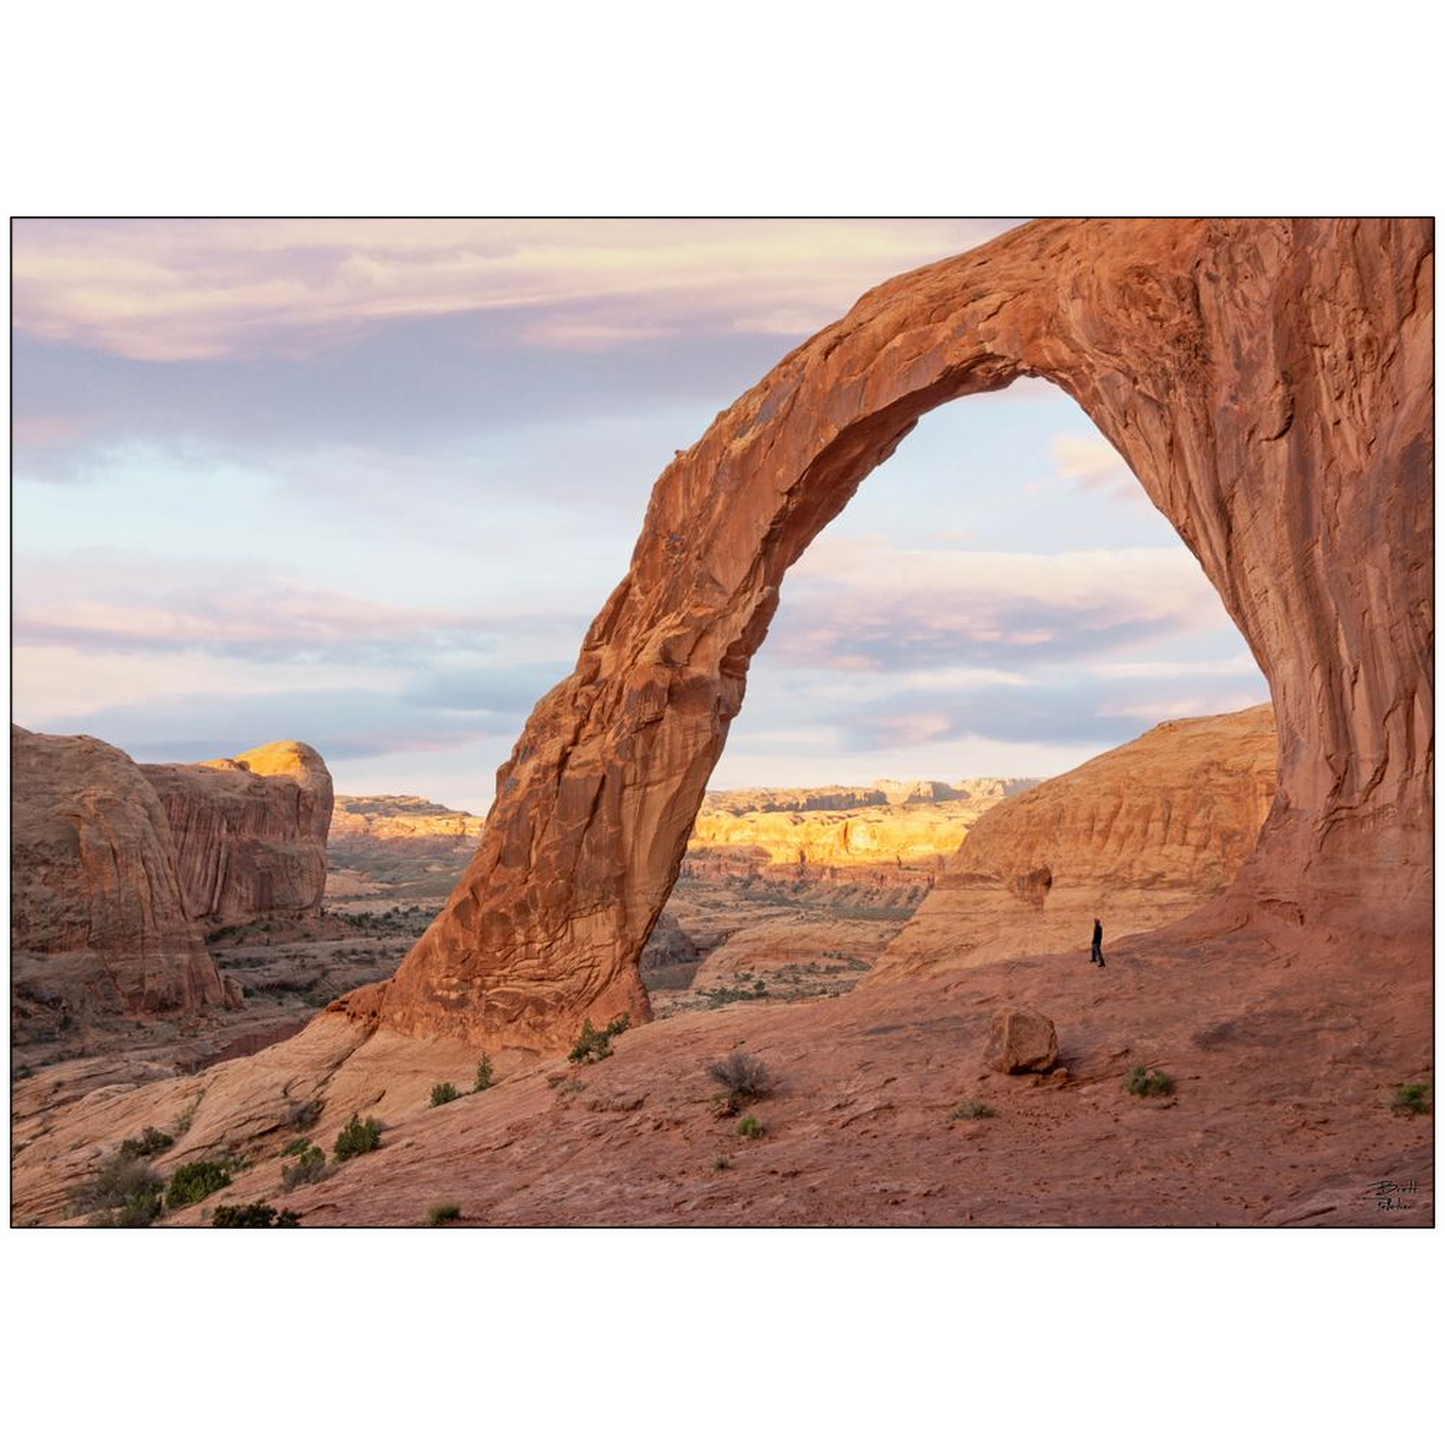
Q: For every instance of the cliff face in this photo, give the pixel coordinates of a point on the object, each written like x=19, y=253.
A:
x=97, y=919
x=250, y=832
x=1138, y=837
x=1270, y=383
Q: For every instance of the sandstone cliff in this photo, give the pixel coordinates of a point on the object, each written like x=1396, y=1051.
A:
x=97, y=914
x=1137, y=837
x=250, y=832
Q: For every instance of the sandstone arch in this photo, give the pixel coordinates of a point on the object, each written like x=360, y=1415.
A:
x=1269, y=383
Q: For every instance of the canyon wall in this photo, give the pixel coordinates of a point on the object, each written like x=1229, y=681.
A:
x=1269, y=382
x=1138, y=837
x=97, y=916
x=250, y=833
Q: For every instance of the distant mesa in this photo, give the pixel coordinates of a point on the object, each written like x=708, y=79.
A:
x=120, y=871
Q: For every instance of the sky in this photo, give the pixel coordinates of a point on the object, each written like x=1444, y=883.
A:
x=365, y=483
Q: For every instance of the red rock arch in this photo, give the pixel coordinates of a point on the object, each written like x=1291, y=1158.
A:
x=1270, y=384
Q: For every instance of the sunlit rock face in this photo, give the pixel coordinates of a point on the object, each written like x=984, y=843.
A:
x=250, y=832
x=1269, y=383
x=98, y=921
x=1138, y=837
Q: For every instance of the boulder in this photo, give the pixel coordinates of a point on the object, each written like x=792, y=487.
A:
x=1021, y=1041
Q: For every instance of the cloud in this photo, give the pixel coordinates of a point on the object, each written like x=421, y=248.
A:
x=96, y=602
x=1091, y=464
x=185, y=290
x=861, y=604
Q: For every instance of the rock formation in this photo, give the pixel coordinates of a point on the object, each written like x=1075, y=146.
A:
x=403, y=825
x=1270, y=384
x=1139, y=837
x=250, y=832
x=919, y=824
x=97, y=916
x=1021, y=1041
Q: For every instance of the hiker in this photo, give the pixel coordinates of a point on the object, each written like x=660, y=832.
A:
x=1096, y=949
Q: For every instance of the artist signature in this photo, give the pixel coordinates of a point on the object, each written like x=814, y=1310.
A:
x=1387, y=1193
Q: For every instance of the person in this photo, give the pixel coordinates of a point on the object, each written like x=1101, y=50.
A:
x=1096, y=951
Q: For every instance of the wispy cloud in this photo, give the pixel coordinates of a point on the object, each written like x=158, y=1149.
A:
x=104, y=603
x=860, y=604
x=161, y=290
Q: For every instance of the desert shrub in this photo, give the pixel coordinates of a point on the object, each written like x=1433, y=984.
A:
x=972, y=1109
x=259, y=1215
x=304, y=1115
x=310, y=1166
x=744, y=1077
x=593, y=1045
x=443, y=1214
x=1148, y=1083
x=444, y=1094
x=1414, y=1098
x=750, y=1128
x=192, y=1182
x=360, y=1136
x=484, y=1074
x=296, y=1146
x=125, y=1193
x=150, y=1141
x=121, y=1178
x=722, y=1162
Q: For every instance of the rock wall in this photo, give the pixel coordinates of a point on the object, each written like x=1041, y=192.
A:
x=1138, y=837
x=250, y=832
x=1270, y=383
x=97, y=916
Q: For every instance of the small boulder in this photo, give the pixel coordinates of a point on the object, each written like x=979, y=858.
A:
x=1021, y=1041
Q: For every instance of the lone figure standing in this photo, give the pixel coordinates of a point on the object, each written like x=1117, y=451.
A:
x=1096, y=950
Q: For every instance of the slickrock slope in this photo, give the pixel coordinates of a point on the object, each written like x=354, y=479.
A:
x=97, y=918
x=1270, y=383
x=1139, y=837
x=250, y=832
x=1282, y=1112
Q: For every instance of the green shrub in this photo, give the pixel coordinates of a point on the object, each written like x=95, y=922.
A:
x=443, y=1214
x=593, y=1045
x=310, y=1166
x=972, y=1109
x=1147, y=1083
x=750, y=1128
x=484, y=1074
x=1414, y=1098
x=253, y=1216
x=192, y=1182
x=151, y=1141
x=444, y=1094
x=360, y=1136
x=296, y=1146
